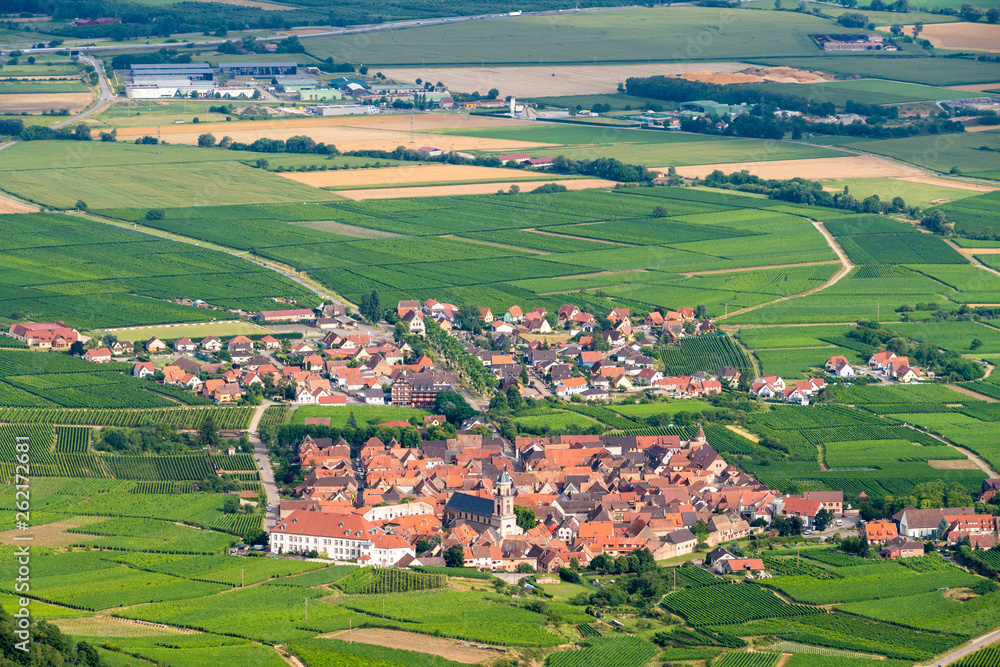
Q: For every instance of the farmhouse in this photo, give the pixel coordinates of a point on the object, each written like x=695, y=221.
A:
x=100, y=355
x=45, y=335
x=340, y=537
x=925, y=523
x=295, y=315
x=839, y=366
x=901, y=547
x=879, y=531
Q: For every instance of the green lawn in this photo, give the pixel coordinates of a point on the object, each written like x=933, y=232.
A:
x=362, y=413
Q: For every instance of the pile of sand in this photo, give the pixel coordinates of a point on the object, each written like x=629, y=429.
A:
x=756, y=75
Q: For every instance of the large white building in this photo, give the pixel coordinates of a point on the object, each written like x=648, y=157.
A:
x=338, y=536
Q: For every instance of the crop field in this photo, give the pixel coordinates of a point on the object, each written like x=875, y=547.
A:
x=93, y=275
x=478, y=617
x=643, y=277
x=180, y=418
x=704, y=353
x=870, y=587
x=187, y=650
x=758, y=659
x=981, y=658
x=865, y=91
x=217, y=569
x=733, y=603
x=131, y=534
x=975, y=216
x=613, y=652
x=925, y=71
x=852, y=633
x=378, y=647
x=630, y=34
x=933, y=611
x=389, y=580
x=943, y=152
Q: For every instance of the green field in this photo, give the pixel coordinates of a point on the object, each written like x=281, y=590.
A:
x=653, y=148
x=920, y=194
x=585, y=37
x=927, y=71
x=107, y=175
x=41, y=87
x=94, y=275
x=866, y=91
x=939, y=153
x=364, y=414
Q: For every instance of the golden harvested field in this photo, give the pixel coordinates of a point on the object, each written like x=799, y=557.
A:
x=945, y=183
x=10, y=206
x=109, y=626
x=354, y=133
x=251, y=3
x=540, y=82
x=37, y=103
x=817, y=168
x=468, y=189
x=960, y=36
x=401, y=176
x=446, y=648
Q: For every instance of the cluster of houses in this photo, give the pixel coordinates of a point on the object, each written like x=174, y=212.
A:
x=904, y=535
x=775, y=387
x=885, y=364
x=590, y=495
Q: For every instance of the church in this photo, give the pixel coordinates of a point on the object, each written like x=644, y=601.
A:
x=484, y=513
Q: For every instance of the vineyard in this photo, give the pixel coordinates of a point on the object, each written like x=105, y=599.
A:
x=987, y=657
x=72, y=439
x=707, y=353
x=605, y=651
x=184, y=419
x=389, y=580
x=273, y=416
x=159, y=468
x=240, y=524
x=587, y=630
x=742, y=659
x=732, y=603
x=236, y=462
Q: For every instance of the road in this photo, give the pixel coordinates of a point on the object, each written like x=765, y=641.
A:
x=972, y=647
x=104, y=97
x=845, y=268
x=266, y=471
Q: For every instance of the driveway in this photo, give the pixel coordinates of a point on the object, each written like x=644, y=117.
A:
x=266, y=472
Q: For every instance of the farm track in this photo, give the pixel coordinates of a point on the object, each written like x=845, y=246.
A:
x=970, y=253
x=971, y=455
x=845, y=263
x=972, y=647
x=968, y=392
x=580, y=238
x=742, y=269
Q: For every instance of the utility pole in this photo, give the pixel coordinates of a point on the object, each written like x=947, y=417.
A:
x=158, y=141
x=411, y=125
x=307, y=608
x=241, y=577
x=675, y=580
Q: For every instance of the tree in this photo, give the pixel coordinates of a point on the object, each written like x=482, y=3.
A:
x=208, y=436
x=81, y=205
x=453, y=406
x=701, y=311
x=525, y=517
x=660, y=212
x=352, y=421
x=513, y=190
x=852, y=20
x=77, y=348
x=262, y=163
x=514, y=400
x=493, y=94
x=206, y=140
x=422, y=545
x=971, y=13
x=525, y=568
x=454, y=556
x=155, y=214
x=855, y=545
x=976, y=344
x=822, y=520
x=917, y=29
x=371, y=307
x=993, y=15
x=777, y=5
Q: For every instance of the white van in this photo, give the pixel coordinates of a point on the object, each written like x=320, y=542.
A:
x=840, y=522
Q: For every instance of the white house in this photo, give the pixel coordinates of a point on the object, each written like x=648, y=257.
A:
x=338, y=536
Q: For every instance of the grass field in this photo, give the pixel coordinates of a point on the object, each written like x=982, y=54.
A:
x=926, y=71
x=919, y=194
x=652, y=148
x=199, y=330
x=585, y=37
x=865, y=91
x=362, y=413
x=107, y=175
